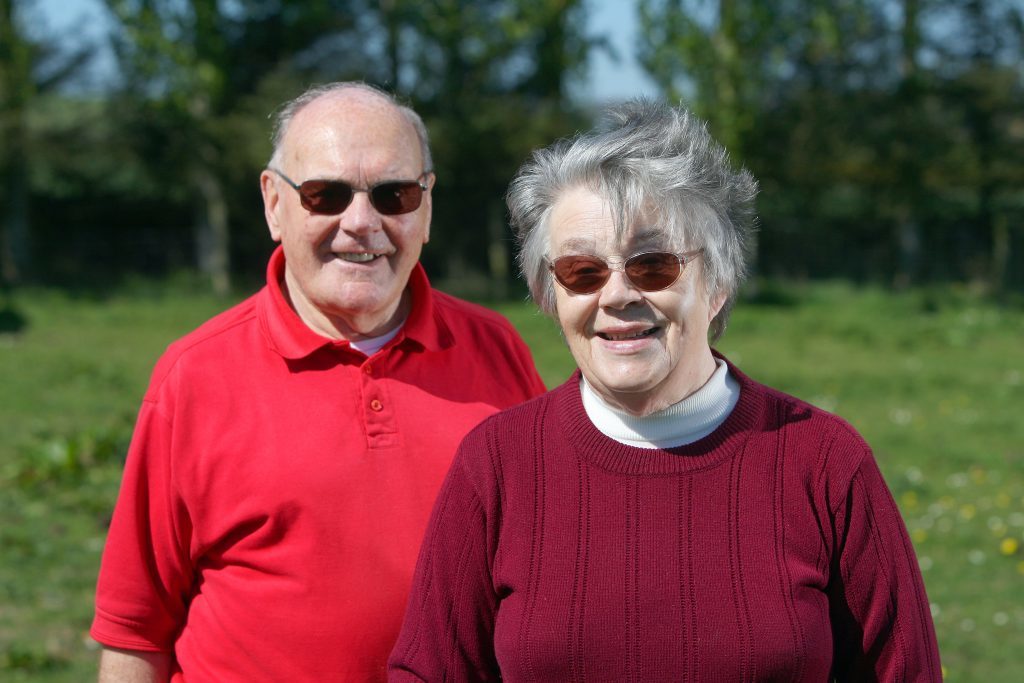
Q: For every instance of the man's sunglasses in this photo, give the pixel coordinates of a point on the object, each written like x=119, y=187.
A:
x=649, y=272
x=330, y=197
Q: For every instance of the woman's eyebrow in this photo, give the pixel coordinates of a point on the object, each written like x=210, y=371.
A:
x=650, y=237
x=578, y=244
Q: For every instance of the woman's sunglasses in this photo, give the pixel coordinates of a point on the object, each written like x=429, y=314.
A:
x=649, y=272
x=330, y=197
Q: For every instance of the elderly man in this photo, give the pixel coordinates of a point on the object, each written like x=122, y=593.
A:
x=287, y=452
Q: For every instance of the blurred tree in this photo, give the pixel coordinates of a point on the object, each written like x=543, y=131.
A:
x=194, y=75
x=29, y=67
x=490, y=78
x=868, y=123
x=987, y=87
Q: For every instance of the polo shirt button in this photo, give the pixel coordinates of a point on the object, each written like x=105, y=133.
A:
x=376, y=406
x=368, y=369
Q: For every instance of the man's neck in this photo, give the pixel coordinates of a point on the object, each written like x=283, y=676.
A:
x=355, y=327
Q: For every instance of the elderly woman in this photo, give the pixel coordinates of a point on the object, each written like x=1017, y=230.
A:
x=660, y=516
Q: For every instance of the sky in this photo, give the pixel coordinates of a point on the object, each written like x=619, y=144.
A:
x=608, y=80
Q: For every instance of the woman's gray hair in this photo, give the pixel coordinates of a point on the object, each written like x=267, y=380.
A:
x=649, y=160
x=286, y=112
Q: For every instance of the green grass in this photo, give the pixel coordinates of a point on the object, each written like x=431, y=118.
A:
x=933, y=379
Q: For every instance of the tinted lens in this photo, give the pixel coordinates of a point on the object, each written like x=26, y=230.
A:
x=334, y=196
x=325, y=196
x=581, y=274
x=392, y=199
x=654, y=271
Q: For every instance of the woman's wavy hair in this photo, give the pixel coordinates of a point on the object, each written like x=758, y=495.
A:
x=647, y=160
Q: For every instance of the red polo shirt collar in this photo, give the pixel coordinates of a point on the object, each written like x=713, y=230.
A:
x=289, y=336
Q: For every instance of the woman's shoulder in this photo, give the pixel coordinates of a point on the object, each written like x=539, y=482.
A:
x=799, y=417
x=821, y=444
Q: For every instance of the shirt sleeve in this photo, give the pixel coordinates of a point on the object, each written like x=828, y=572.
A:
x=448, y=632
x=882, y=625
x=145, y=575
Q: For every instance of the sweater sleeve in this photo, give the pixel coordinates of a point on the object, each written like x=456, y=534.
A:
x=882, y=623
x=448, y=632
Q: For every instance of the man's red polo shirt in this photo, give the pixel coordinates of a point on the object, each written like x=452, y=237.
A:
x=279, y=482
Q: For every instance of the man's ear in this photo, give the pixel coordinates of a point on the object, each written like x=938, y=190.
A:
x=271, y=204
x=428, y=199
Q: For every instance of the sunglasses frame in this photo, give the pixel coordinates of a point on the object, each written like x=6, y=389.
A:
x=424, y=187
x=682, y=258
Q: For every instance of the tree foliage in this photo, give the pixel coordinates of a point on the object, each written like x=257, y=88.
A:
x=30, y=67
x=887, y=135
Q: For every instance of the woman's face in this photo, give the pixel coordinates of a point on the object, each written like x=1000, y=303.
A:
x=641, y=351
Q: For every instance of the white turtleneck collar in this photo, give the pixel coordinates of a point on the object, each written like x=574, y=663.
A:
x=684, y=422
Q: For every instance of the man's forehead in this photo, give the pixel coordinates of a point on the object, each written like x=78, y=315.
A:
x=352, y=116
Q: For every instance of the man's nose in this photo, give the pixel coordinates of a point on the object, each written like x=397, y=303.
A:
x=360, y=215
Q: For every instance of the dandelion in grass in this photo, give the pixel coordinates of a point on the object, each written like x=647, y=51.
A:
x=976, y=557
x=1000, y=618
x=1009, y=546
x=968, y=511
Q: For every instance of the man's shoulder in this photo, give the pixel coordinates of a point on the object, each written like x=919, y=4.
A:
x=472, y=312
x=463, y=316
x=224, y=335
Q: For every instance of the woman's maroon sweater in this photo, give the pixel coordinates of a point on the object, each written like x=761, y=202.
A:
x=770, y=550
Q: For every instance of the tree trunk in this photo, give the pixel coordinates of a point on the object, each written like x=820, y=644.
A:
x=15, y=90
x=213, y=254
x=497, y=250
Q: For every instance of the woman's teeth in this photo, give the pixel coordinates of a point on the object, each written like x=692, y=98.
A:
x=628, y=335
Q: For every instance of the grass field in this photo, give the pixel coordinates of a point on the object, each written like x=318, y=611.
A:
x=933, y=379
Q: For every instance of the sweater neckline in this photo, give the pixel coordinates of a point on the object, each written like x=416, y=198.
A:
x=717, y=447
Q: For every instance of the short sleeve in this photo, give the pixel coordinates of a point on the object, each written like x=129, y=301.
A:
x=145, y=575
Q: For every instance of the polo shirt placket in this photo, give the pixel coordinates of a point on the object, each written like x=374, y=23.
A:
x=378, y=408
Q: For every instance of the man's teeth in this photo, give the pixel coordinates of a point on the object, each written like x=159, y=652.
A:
x=629, y=335
x=357, y=257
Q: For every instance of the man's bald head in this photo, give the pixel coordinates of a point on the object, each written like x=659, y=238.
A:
x=357, y=89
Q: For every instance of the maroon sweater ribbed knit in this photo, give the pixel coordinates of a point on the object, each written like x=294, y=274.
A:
x=771, y=550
